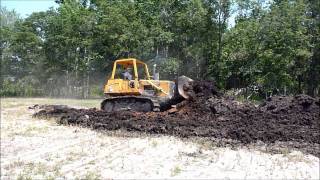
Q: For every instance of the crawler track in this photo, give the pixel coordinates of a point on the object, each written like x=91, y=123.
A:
x=134, y=103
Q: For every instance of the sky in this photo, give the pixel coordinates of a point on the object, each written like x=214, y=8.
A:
x=27, y=7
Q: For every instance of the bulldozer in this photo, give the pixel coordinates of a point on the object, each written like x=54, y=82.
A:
x=131, y=87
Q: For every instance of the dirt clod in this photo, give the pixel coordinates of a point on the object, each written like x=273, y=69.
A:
x=293, y=119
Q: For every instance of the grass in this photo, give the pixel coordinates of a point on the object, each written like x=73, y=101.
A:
x=15, y=102
x=26, y=131
x=154, y=143
x=75, y=155
x=92, y=162
x=24, y=177
x=41, y=168
x=17, y=119
x=91, y=175
x=50, y=177
x=284, y=151
x=297, y=157
x=56, y=170
x=30, y=170
x=34, y=130
x=175, y=171
x=17, y=163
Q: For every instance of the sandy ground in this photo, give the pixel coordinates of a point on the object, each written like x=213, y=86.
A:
x=42, y=149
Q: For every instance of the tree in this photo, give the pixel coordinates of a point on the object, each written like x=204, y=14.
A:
x=272, y=45
x=271, y=48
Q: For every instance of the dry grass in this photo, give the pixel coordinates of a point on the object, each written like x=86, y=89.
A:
x=175, y=171
x=16, y=102
x=41, y=149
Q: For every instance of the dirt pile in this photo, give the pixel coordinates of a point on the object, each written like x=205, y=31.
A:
x=209, y=114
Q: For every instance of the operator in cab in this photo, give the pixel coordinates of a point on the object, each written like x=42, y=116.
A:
x=127, y=73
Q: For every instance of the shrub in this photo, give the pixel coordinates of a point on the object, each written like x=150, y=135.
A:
x=21, y=87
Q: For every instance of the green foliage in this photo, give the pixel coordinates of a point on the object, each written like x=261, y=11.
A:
x=24, y=87
x=96, y=91
x=8, y=18
x=68, y=51
x=169, y=68
x=270, y=48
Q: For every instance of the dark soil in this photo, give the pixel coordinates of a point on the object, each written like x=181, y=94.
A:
x=210, y=114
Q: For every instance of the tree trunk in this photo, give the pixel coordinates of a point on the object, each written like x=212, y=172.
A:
x=313, y=74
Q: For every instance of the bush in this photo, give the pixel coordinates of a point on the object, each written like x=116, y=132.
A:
x=169, y=68
x=96, y=91
x=22, y=87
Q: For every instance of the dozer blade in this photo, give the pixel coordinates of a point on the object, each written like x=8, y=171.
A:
x=184, y=87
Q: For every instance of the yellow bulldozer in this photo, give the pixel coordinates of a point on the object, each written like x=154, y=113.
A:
x=131, y=87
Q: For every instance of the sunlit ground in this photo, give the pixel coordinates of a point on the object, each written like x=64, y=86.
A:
x=40, y=148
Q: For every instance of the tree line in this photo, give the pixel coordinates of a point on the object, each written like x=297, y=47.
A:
x=272, y=46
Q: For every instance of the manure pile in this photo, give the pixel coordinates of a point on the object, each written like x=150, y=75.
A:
x=210, y=114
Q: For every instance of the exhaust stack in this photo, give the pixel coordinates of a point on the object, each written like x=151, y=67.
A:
x=155, y=74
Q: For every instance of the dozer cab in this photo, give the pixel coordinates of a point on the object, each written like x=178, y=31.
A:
x=131, y=87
